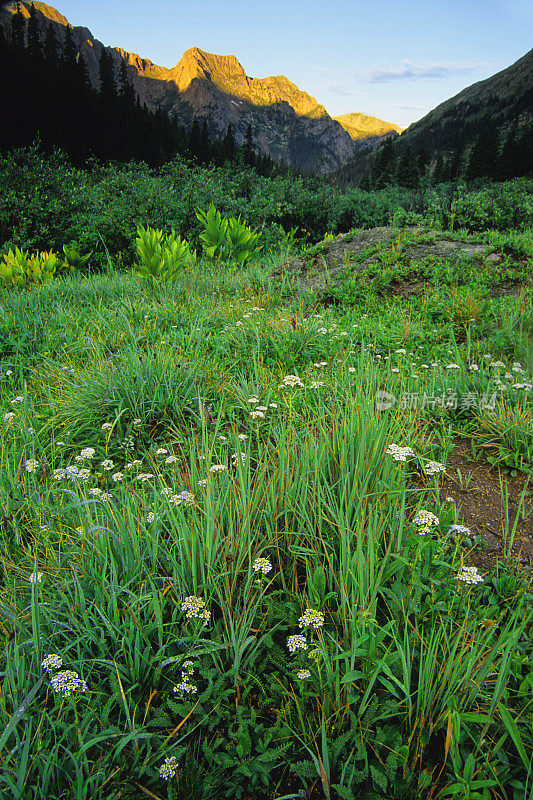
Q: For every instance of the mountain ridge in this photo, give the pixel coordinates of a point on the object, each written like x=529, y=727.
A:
x=287, y=122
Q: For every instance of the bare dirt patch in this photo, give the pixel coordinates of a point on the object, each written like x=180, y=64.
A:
x=475, y=487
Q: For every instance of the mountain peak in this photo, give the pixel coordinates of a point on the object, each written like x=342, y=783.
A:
x=360, y=126
x=47, y=11
x=196, y=63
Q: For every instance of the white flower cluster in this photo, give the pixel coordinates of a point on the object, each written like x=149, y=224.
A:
x=257, y=414
x=262, y=565
x=459, y=529
x=68, y=682
x=169, y=768
x=52, y=662
x=107, y=464
x=107, y=426
x=469, y=575
x=434, y=467
x=145, y=476
x=311, y=617
x=185, y=685
x=399, y=453
x=218, y=468
x=86, y=453
x=296, y=642
x=171, y=460
x=235, y=458
x=425, y=520
x=187, y=498
x=10, y=416
x=194, y=608
x=291, y=381
x=36, y=577
x=32, y=465
x=303, y=674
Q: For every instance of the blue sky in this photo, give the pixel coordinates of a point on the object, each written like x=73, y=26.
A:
x=393, y=59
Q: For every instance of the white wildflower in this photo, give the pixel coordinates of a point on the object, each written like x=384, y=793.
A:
x=262, y=565
x=399, y=453
x=469, y=575
x=51, y=662
x=68, y=682
x=32, y=465
x=296, y=642
x=434, y=467
x=169, y=768
x=311, y=617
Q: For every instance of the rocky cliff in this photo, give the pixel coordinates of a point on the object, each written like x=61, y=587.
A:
x=286, y=122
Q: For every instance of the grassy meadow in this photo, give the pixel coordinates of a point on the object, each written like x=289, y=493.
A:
x=227, y=566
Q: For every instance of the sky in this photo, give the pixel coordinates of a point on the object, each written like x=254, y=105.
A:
x=392, y=59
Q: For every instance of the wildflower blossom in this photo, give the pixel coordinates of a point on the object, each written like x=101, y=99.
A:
x=107, y=426
x=117, y=476
x=84, y=475
x=10, y=416
x=137, y=423
x=107, y=464
x=291, y=381
x=257, y=414
x=459, y=529
x=270, y=405
x=171, y=460
x=161, y=451
x=68, y=682
x=150, y=517
x=434, y=467
x=195, y=608
x=202, y=482
x=218, y=468
x=187, y=498
x=144, y=476
x=243, y=436
x=32, y=465
x=296, y=642
x=96, y=492
x=262, y=565
x=316, y=384
x=36, y=577
x=303, y=674
x=469, y=575
x=399, y=453
x=425, y=520
x=87, y=452
x=185, y=686
x=51, y=662
x=169, y=768
x=16, y=400
x=253, y=399
x=311, y=617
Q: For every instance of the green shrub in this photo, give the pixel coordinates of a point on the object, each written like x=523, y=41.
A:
x=162, y=259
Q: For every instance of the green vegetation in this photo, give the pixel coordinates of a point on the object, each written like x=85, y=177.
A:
x=46, y=203
x=228, y=565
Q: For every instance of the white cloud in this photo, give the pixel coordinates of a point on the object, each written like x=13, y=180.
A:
x=411, y=71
